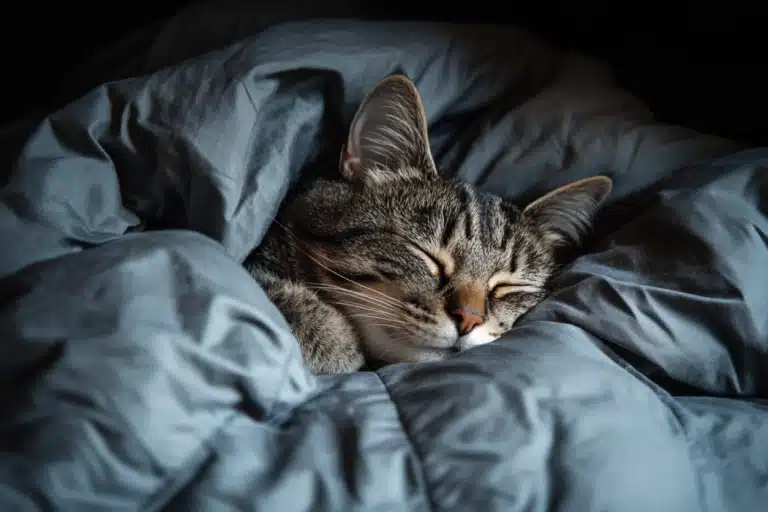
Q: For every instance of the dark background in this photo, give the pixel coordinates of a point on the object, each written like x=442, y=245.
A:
x=692, y=64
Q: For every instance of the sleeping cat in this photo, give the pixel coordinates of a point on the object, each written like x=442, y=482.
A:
x=394, y=262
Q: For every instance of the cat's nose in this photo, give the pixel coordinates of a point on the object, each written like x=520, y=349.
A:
x=467, y=319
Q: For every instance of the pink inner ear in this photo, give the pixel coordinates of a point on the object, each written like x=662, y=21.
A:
x=351, y=156
x=351, y=166
x=354, y=140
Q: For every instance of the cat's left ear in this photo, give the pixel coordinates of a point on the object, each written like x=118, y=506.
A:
x=565, y=215
x=388, y=134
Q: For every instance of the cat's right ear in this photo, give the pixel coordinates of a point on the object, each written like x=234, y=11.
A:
x=388, y=135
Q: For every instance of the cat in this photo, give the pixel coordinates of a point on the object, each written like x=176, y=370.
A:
x=393, y=262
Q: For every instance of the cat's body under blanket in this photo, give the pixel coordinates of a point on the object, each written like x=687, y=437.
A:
x=394, y=262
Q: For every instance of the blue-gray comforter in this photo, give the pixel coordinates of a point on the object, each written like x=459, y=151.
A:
x=145, y=370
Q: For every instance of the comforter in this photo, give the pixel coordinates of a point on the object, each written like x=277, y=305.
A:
x=143, y=369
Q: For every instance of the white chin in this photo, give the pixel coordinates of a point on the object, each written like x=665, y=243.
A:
x=478, y=336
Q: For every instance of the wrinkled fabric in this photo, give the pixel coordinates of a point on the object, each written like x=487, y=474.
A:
x=143, y=369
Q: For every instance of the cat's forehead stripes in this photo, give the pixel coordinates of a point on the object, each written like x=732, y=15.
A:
x=468, y=229
x=463, y=231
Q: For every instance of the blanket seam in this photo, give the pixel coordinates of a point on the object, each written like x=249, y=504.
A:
x=409, y=439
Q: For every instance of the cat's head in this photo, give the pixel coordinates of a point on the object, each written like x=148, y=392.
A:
x=424, y=265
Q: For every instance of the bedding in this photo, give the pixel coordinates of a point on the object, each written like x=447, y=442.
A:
x=143, y=369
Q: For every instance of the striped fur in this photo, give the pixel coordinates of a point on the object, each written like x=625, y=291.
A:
x=394, y=262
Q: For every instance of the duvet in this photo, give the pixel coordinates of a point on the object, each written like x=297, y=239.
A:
x=143, y=369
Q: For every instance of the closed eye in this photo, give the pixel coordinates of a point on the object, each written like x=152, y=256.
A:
x=504, y=289
x=436, y=267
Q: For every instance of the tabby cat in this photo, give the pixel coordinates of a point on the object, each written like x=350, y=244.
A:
x=393, y=262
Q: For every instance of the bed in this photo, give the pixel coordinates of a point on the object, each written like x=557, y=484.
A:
x=143, y=369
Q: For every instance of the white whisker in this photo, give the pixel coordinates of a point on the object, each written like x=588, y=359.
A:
x=310, y=256
x=365, y=308
x=376, y=317
x=356, y=294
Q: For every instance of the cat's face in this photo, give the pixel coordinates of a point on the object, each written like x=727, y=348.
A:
x=423, y=265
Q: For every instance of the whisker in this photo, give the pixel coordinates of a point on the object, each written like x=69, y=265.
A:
x=375, y=317
x=381, y=296
x=310, y=256
x=356, y=294
x=365, y=308
x=367, y=301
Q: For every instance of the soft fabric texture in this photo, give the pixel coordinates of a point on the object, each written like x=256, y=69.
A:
x=147, y=371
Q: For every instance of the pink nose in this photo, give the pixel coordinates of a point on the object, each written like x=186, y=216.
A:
x=467, y=319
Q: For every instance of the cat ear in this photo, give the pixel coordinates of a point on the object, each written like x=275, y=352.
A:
x=388, y=134
x=565, y=214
